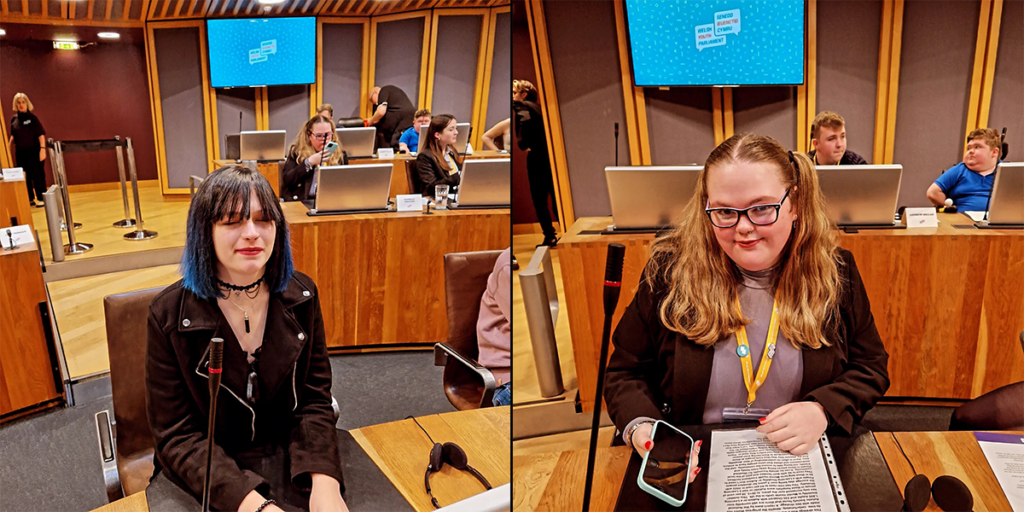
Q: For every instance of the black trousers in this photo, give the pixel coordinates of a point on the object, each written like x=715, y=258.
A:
x=35, y=177
x=538, y=170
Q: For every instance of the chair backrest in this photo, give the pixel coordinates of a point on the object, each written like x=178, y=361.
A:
x=126, y=316
x=193, y=184
x=415, y=186
x=349, y=122
x=465, y=280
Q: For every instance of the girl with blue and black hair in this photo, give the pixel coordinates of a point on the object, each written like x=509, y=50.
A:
x=276, y=444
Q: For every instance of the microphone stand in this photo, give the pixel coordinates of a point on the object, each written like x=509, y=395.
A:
x=616, y=144
x=612, y=286
x=215, y=367
x=988, y=200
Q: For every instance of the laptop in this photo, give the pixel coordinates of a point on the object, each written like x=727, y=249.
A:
x=357, y=142
x=262, y=146
x=861, y=196
x=1006, y=205
x=486, y=183
x=351, y=189
x=461, y=140
x=232, y=149
x=649, y=198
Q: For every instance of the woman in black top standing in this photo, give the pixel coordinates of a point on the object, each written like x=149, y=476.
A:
x=438, y=163
x=29, y=140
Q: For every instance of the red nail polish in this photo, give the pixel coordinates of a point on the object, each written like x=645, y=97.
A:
x=647, y=445
x=762, y=420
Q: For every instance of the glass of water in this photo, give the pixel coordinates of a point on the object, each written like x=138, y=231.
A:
x=440, y=197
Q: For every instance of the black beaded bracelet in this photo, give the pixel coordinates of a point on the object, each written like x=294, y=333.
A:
x=264, y=505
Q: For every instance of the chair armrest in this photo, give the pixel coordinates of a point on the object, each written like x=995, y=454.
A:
x=107, y=437
x=442, y=351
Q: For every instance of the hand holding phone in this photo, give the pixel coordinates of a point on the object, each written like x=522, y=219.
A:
x=670, y=464
x=330, y=147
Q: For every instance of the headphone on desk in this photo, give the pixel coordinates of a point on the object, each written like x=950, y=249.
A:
x=449, y=453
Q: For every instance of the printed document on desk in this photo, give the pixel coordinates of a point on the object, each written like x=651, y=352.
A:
x=1005, y=453
x=749, y=472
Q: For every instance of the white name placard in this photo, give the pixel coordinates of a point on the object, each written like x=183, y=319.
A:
x=385, y=154
x=21, y=235
x=409, y=202
x=16, y=173
x=920, y=218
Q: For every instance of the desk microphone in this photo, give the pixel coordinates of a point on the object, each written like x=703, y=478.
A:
x=616, y=144
x=216, y=366
x=11, y=238
x=239, y=121
x=988, y=200
x=612, y=287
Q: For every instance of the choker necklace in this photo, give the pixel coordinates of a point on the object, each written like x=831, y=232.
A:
x=252, y=289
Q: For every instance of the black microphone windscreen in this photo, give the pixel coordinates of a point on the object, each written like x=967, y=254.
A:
x=613, y=264
x=917, y=493
x=952, y=495
x=216, y=354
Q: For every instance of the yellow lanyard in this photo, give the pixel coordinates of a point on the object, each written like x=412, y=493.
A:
x=743, y=350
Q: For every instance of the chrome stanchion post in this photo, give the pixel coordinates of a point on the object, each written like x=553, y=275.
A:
x=54, y=220
x=127, y=221
x=139, y=233
x=73, y=246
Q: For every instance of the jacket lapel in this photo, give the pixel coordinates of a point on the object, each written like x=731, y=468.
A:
x=692, y=372
x=284, y=336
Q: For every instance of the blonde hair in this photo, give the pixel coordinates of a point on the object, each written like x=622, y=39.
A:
x=303, y=149
x=519, y=86
x=703, y=282
x=828, y=119
x=989, y=135
x=21, y=96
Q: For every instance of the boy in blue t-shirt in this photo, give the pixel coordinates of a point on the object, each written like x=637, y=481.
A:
x=410, y=140
x=969, y=183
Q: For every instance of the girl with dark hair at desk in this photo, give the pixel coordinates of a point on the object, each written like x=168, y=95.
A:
x=749, y=310
x=276, y=445
x=301, y=169
x=438, y=162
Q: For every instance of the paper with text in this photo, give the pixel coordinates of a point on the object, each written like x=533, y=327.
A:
x=748, y=472
x=1005, y=454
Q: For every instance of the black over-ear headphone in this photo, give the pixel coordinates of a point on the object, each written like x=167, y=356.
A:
x=449, y=453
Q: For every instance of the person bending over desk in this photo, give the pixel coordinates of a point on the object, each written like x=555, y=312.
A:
x=751, y=280
x=410, y=141
x=969, y=183
x=393, y=113
x=438, y=163
x=301, y=169
x=828, y=136
x=275, y=434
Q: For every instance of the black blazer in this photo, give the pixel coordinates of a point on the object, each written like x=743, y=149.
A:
x=430, y=174
x=296, y=181
x=294, y=411
x=659, y=373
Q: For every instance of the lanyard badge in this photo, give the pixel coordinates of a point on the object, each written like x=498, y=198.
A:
x=743, y=351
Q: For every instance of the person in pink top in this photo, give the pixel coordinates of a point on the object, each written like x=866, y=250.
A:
x=493, y=327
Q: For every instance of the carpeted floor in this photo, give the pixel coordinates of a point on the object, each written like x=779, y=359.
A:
x=50, y=462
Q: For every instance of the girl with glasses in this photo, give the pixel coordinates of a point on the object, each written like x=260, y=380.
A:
x=748, y=310
x=307, y=153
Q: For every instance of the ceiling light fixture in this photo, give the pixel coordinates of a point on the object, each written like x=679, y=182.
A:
x=109, y=35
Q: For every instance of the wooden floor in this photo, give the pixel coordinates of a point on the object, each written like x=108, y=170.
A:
x=525, y=387
x=97, y=208
x=78, y=307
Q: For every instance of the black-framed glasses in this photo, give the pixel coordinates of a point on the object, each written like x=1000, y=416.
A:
x=758, y=215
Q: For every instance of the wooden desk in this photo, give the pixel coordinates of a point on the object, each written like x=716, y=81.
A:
x=947, y=302
x=402, y=452
x=554, y=481
x=381, y=276
x=399, y=181
x=27, y=366
x=14, y=204
x=944, y=453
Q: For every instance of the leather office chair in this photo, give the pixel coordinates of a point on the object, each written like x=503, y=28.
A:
x=999, y=409
x=415, y=185
x=349, y=122
x=126, y=444
x=466, y=384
